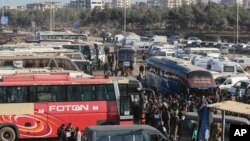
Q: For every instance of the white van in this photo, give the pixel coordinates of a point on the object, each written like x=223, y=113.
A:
x=224, y=49
x=155, y=49
x=243, y=85
x=243, y=61
x=165, y=53
x=229, y=82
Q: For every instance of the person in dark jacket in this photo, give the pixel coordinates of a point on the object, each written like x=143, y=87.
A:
x=60, y=132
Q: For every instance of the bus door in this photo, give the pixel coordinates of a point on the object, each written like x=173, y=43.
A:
x=125, y=106
x=132, y=104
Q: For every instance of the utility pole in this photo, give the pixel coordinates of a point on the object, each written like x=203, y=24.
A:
x=125, y=15
x=237, y=26
x=52, y=17
x=2, y=11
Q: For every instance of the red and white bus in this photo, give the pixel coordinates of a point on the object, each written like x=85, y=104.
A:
x=36, y=105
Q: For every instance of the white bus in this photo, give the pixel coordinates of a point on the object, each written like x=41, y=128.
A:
x=41, y=36
x=212, y=52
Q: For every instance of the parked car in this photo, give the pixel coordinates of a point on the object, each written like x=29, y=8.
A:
x=235, y=47
x=174, y=40
x=242, y=85
x=243, y=61
x=193, y=40
x=224, y=49
x=220, y=80
x=229, y=82
x=123, y=133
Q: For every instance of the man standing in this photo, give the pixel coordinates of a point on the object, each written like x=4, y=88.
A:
x=60, y=132
x=97, y=55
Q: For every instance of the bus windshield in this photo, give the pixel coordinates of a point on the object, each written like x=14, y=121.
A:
x=126, y=56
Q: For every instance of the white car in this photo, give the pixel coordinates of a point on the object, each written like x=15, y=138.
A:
x=192, y=40
x=243, y=85
x=229, y=82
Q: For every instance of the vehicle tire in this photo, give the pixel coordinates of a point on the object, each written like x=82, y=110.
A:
x=7, y=134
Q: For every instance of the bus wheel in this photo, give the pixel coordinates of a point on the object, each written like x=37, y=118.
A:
x=7, y=134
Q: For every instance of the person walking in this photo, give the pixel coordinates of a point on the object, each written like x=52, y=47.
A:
x=116, y=70
x=195, y=132
x=69, y=132
x=141, y=69
x=78, y=134
x=60, y=132
x=106, y=67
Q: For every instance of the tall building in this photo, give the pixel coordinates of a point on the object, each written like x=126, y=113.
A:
x=43, y=6
x=246, y=4
x=121, y=3
x=232, y=2
x=174, y=3
x=87, y=4
x=155, y=3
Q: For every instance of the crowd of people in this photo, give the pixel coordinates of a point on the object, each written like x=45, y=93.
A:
x=166, y=113
x=69, y=133
x=112, y=69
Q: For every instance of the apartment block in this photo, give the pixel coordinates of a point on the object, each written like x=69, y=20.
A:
x=121, y=3
x=87, y=4
x=44, y=6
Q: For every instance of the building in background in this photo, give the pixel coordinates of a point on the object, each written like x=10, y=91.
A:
x=203, y=1
x=108, y=5
x=91, y=4
x=121, y=3
x=44, y=6
x=246, y=4
x=171, y=3
x=14, y=7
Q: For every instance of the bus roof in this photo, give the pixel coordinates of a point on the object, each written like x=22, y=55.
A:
x=160, y=60
x=56, y=33
x=61, y=78
x=173, y=65
x=198, y=48
x=33, y=56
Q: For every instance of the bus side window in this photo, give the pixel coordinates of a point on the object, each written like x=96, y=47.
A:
x=99, y=92
x=16, y=94
x=86, y=93
x=2, y=95
x=58, y=93
x=32, y=96
x=110, y=92
x=43, y=93
x=74, y=93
